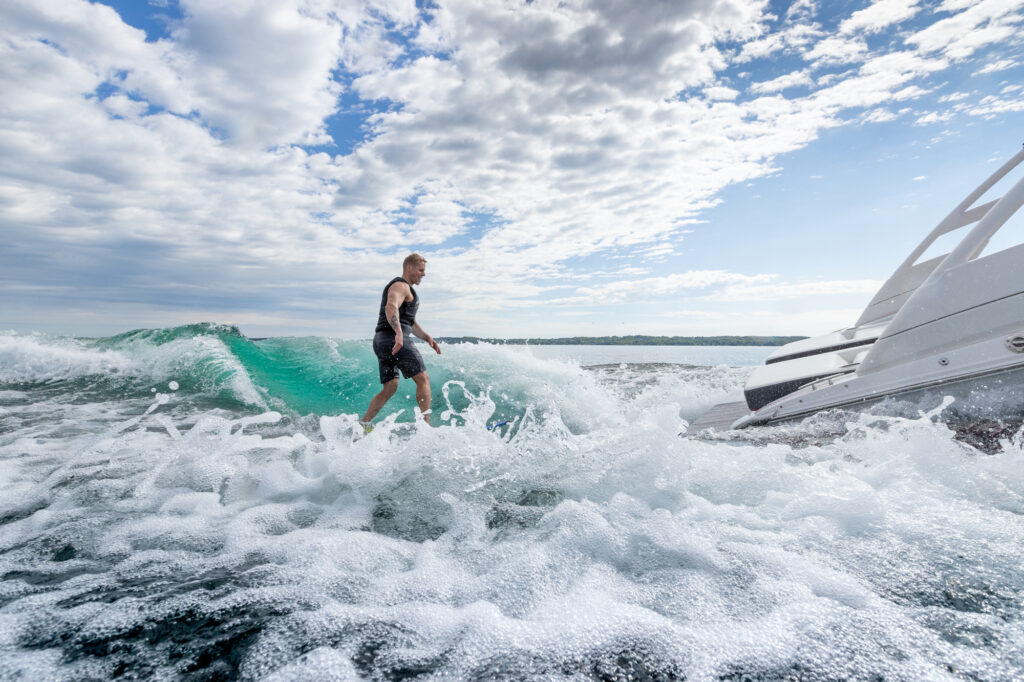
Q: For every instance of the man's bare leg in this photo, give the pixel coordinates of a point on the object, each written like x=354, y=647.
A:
x=386, y=391
x=423, y=394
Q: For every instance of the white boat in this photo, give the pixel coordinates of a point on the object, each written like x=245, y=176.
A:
x=946, y=324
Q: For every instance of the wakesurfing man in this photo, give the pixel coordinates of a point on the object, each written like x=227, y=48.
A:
x=392, y=343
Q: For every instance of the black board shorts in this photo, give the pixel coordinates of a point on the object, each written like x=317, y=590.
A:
x=407, y=359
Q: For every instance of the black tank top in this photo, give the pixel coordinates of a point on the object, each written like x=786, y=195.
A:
x=406, y=311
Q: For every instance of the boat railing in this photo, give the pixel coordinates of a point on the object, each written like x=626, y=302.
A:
x=829, y=380
x=987, y=218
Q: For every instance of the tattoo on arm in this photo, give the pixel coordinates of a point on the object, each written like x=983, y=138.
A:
x=395, y=324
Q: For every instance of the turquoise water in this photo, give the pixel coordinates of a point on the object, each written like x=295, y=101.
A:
x=188, y=503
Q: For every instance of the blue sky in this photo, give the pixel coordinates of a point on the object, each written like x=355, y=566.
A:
x=568, y=168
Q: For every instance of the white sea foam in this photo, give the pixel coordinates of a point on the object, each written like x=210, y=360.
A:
x=545, y=384
x=39, y=359
x=34, y=358
x=592, y=540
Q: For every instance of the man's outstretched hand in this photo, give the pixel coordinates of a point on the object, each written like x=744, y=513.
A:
x=433, y=344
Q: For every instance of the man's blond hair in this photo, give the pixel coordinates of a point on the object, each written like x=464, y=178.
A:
x=413, y=259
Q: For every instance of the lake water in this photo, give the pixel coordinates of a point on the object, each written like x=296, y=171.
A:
x=191, y=504
x=742, y=356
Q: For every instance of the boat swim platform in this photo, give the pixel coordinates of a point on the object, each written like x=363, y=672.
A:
x=720, y=417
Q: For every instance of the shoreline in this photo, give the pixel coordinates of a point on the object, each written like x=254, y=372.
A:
x=632, y=340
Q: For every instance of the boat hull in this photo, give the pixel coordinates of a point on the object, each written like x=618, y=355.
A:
x=997, y=394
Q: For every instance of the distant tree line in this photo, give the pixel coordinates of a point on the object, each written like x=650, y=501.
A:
x=634, y=340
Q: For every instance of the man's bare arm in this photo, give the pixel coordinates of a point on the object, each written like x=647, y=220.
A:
x=417, y=331
x=397, y=295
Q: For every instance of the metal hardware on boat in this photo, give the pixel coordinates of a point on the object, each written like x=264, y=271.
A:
x=943, y=361
x=1015, y=343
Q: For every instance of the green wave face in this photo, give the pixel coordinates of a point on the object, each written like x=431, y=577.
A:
x=321, y=376
x=310, y=375
x=216, y=366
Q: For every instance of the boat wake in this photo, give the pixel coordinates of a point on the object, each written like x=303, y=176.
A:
x=229, y=528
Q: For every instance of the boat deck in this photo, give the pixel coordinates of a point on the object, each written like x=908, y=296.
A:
x=720, y=417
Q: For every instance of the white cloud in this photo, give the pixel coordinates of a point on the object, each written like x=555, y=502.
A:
x=674, y=284
x=837, y=50
x=934, y=117
x=965, y=32
x=802, y=11
x=992, y=105
x=716, y=285
x=747, y=291
x=879, y=15
x=719, y=92
x=789, y=80
x=760, y=321
x=879, y=116
x=791, y=38
x=258, y=71
x=1001, y=65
